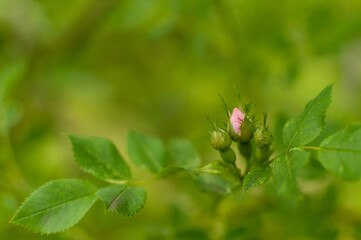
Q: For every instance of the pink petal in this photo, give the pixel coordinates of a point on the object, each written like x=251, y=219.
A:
x=237, y=119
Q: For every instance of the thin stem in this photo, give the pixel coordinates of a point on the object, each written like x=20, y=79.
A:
x=310, y=147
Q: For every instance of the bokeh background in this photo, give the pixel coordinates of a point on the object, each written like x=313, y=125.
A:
x=103, y=67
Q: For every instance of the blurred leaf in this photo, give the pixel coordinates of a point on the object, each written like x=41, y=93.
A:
x=99, y=156
x=256, y=177
x=285, y=169
x=13, y=115
x=218, y=177
x=214, y=183
x=183, y=154
x=56, y=206
x=341, y=153
x=222, y=169
x=147, y=152
x=126, y=200
x=306, y=126
x=171, y=171
x=192, y=234
x=9, y=77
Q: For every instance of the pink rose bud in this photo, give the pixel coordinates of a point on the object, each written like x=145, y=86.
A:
x=237, y=118
x=241, y=129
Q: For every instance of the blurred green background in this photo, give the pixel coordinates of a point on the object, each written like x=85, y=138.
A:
x=103, y=67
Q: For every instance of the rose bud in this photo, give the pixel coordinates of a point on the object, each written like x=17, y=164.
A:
x=263, y=136
x=241, y=127
x=220, y=140
x=228, y=155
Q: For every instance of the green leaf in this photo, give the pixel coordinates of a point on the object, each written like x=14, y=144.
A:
x=99, y=156
x=147, y=152
x=309, y=124
x=218, y=177
x=172, y=171
x=222, y=169
x=126, y=200
x=183, y=154
x=256, y=177
x=285, y=169
x=341, y=153
x=56, y=206
x=214, y=183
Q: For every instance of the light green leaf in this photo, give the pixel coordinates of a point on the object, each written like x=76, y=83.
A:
x=56, y=206
x=99, y=156
x=218, y=177
x=256, y=177
x=309, y=124
x=214, y=183
x=172, y=171
x=341, y=153
x=126, y=200
x=222, y=169
x=147, y=152
x=183, y=154
x=285, y=169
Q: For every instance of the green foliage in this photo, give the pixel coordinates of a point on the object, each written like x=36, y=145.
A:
x=285, y=169
x=56, y=206
x=99, y=157
x=309, y=124
x=126, y=200
x=341, y=153
x=60, y=204
x=147, y=152
x=183, y=153
x=256, y=177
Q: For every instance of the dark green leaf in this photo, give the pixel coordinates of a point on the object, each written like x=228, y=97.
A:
x=99, y=156
x=306, y=126
x=183, y=154
x=341, y=153
x=56, y=206
x=285, y=169
x=256, y=177
x=147, y=152
x=126, y=200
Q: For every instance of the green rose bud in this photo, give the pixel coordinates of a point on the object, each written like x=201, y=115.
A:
x=263, y=138
x=220, y=140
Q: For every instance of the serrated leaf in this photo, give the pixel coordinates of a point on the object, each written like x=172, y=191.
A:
x=309, y=124
x=99, y=157
x=183, y=154
x=256, y=177
x=56, y=206
x=126, y=200
x=285, y=169
x=147, y=152
x=171, y=171
x=341, y=153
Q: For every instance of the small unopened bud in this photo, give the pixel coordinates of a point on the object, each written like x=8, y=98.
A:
x=220, y=140
x=228, y=155
x=241, y=129
x=263, y=136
